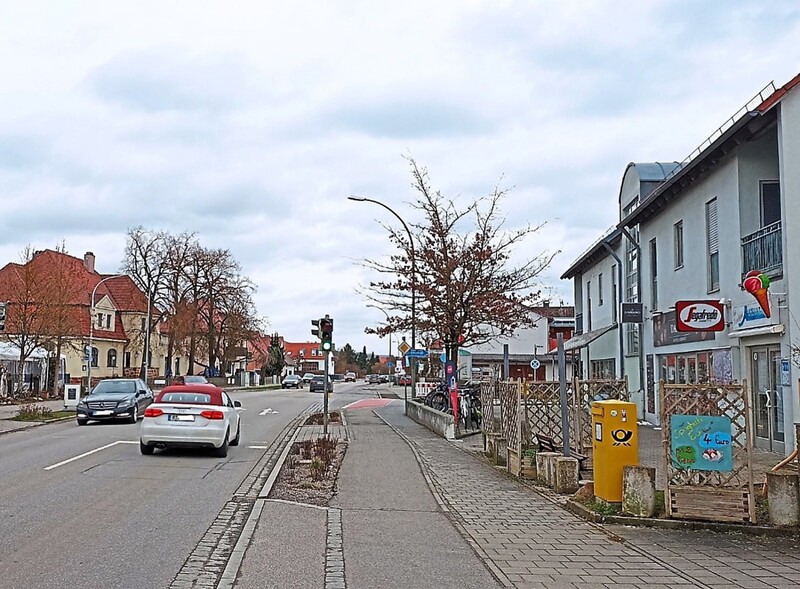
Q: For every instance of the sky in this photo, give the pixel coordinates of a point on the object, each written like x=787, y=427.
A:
x=250, y=123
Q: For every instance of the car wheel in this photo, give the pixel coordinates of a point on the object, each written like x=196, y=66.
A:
x=135, y=417
x=222, y=451
x=235, y=441
x=145, y=449
x=83, y=421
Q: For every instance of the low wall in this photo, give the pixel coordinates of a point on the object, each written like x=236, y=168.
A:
x=436, y=421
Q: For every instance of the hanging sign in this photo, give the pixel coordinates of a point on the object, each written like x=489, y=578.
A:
x=701, y=442
x=699, y=316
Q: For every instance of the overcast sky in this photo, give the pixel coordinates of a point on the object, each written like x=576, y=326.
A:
x=251, y=122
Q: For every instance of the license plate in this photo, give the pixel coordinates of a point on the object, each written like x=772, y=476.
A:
x=104, y=412
x=181, y=418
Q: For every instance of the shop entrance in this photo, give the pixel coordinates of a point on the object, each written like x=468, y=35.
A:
x=767, y=398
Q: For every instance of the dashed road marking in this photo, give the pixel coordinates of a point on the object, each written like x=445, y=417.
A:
x=90, y=452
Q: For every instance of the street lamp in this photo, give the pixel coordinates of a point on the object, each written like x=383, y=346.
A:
x=413, y=286
x=91, y=332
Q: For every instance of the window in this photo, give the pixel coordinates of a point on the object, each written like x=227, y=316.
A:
x=632, y=279
x=111, y=358
x=653, y=275
x=108, y=321
x=603, y=369
x=712, y=244
x=95, y=357
x=600, y=290
x=770, y=203
x=177, y=366
x=614, y=294
x=588, y=305
x=144, y=324
x=315, y=352
x=127, y=360
x=678, y=239
x=99, y=320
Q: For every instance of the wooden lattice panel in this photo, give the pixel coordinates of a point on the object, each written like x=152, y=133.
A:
x=541, y=406
x=588, y=391
x=728, y=400
x=509, y=393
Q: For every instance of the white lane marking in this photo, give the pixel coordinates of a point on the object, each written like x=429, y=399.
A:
x=258, y=447
x=85, y=454
x=268, y=411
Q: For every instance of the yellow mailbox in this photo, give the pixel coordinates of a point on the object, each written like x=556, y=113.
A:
x=615, y=444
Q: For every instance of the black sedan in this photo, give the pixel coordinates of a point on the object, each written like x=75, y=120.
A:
x=292, y=381
x=115, y=399
x=318, y=385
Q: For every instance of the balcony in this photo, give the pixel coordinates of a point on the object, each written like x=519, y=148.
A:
x=763, y=250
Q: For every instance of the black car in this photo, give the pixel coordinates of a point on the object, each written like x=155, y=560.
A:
x=114, y=399
x=292, y=381
x=317, y=385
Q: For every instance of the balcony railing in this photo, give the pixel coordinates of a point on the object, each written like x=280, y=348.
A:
x=763, y=250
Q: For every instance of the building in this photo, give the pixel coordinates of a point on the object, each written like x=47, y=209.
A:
x=721, y=213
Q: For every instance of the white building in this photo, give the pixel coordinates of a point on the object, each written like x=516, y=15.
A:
x=724, y=211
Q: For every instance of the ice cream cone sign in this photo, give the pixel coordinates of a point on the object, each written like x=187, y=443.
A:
x=757, y=284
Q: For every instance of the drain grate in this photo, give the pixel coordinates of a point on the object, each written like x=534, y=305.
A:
x=389, y=395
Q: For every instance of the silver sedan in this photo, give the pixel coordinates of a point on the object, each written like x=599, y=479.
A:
x=186, y=416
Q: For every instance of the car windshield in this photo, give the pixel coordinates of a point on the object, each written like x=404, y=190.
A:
x=292, y=378
x=114, y=387
x=194, y=379
x=197, y=398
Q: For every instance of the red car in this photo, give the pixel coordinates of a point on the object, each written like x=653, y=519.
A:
x=404, y=379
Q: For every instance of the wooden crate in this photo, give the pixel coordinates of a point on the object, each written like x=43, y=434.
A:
x=710, y=504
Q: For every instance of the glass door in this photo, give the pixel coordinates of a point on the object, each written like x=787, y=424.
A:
x=767, y=398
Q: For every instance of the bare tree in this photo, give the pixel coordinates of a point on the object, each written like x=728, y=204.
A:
x=468, y=290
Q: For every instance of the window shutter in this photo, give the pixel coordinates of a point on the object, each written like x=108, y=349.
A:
x=712, y=227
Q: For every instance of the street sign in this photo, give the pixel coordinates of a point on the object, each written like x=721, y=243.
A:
x=403, y=347
x=416, y=353
x=535, y=363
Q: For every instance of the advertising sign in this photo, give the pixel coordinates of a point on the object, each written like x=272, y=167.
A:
x=701, y=442
x=665, y=332
x=749, y=316
x=632, y=313
x=699, y=316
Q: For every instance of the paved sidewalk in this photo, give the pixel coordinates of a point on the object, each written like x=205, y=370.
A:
x=9, y=411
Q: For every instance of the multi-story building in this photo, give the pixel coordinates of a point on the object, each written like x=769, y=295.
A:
x=715, y=217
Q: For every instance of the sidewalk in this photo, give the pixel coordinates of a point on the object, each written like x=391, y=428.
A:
x=9, y=411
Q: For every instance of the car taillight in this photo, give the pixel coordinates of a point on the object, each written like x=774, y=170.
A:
x=212, y=414
x=153, y=412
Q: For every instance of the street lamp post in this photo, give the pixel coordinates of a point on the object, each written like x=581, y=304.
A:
x=413, y=287
x=91, y=332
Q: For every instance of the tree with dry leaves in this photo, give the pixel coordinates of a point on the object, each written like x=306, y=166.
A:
x=469, y=288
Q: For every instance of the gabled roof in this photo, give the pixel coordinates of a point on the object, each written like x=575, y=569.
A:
x=596, y=252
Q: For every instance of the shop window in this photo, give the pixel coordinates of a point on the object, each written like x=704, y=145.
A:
x=603, y=369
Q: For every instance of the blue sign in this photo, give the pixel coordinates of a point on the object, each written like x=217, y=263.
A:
x=443, y=357
x=416, y=353
x=701, y=442
x=390, y=364
x=535, y=364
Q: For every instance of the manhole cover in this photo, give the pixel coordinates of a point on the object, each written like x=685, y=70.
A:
x=389, y=396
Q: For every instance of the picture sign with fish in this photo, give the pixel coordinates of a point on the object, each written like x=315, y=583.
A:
x=701, y=442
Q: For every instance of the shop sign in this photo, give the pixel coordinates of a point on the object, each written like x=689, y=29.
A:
x=750, y=315
x=665, y=332
x=701, y=442
x=632, y=313
x=699, y=316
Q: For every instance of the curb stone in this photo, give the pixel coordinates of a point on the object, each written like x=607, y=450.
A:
x=32, y=425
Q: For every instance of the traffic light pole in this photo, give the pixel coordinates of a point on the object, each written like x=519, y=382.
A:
x=325, y=397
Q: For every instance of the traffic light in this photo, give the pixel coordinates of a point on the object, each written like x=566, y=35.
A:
x=315, y=323
x=326, y=333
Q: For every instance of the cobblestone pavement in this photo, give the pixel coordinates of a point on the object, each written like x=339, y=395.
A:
x=530, y=542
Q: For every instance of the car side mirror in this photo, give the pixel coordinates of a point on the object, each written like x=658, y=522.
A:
x=237, y=403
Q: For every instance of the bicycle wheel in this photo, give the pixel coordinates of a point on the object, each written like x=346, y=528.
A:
x=439, y=401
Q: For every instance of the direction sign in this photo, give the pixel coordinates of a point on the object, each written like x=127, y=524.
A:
x=535, y=363
x=416, y=353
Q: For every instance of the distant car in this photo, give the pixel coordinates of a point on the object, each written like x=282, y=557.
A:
x=318, y=385
x=374, y=379
x=384, y=378
x=115, y=399
x=186, y=416
x=335, y=377
x=308, y=376
x=350, y=377
x=404, y=379
x=292, y=381
x=195, y=379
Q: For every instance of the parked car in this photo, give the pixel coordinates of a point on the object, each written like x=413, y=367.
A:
x=317, y=385
x=404, y=379
x=384, y=378
x=336, y=377
x=308, y=376
x=292, y=381
x=195, y=379
x=115, y=399
x=374, y=379
x=350, y=377
x=185, y=416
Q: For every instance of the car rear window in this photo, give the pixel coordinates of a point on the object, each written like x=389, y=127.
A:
x=186, y=398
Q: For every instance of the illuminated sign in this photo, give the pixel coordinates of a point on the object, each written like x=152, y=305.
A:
x=699, y=316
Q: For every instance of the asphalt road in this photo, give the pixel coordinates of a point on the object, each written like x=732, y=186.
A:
x=112, y=517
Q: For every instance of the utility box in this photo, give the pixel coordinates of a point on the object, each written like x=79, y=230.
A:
x=615, y=442
x=72, y=394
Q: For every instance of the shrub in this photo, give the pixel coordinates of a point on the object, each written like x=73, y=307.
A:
x=318, y=469
x=31, y=412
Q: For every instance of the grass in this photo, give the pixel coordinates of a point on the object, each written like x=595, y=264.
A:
x=37, y=413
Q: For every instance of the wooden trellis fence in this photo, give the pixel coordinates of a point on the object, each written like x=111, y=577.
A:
x=710, y=494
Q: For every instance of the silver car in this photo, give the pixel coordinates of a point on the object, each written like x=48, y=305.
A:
x=186, y=416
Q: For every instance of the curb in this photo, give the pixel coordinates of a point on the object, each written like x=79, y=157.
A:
x=32, y=425
x=675, y=524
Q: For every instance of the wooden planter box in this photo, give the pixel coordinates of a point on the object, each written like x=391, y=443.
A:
x=528, y=467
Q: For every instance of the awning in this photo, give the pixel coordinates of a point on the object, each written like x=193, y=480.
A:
x=764, y=330
x=584, y=339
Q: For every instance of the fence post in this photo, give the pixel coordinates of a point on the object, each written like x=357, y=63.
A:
x=562, y=381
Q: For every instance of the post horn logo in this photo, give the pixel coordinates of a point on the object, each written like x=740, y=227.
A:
x=622, y=437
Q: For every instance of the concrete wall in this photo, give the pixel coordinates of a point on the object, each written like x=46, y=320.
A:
x=436, y=421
